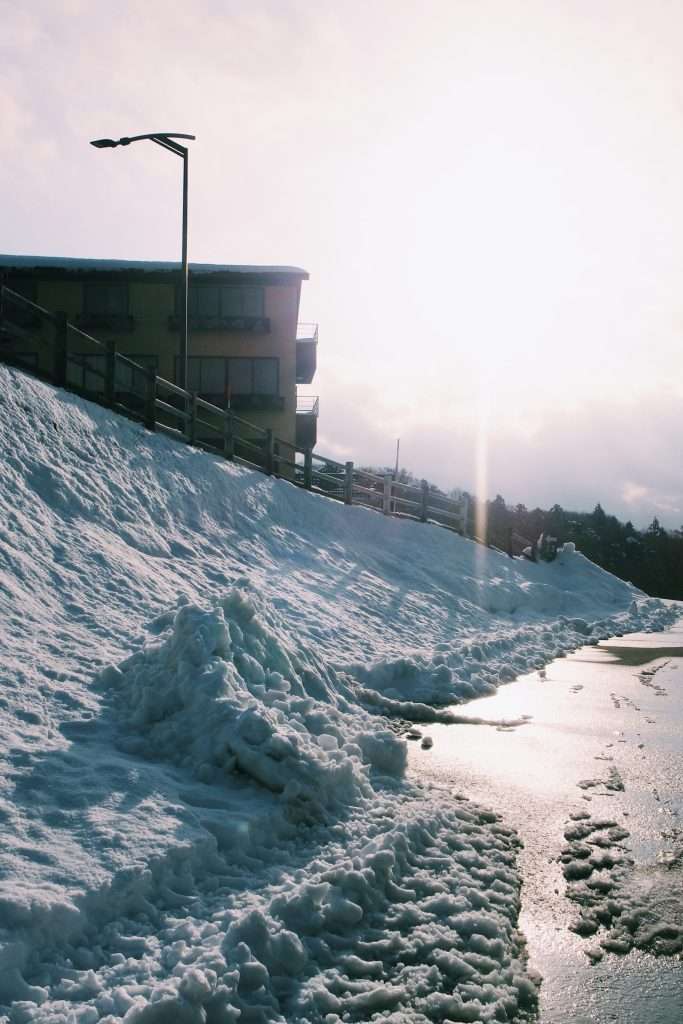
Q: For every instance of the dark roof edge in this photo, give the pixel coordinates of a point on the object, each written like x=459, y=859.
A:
x=70, y=266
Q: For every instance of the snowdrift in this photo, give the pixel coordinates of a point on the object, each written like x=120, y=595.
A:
x=204, y=675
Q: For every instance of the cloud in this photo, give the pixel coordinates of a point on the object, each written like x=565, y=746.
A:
x=633, y=493
x=577, y=460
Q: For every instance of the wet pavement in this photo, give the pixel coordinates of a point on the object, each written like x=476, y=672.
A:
x=605, y=739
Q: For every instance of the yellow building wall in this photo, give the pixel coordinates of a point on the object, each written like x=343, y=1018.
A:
x=152, y=303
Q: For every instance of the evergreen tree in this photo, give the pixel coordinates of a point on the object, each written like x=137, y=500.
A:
x=651, y=559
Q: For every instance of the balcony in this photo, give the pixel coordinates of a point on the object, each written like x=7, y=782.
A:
x=258, y=403
x=307, y=405
x=21, y=317
x=118, y=323
x=307, y=408
x=245, y=402
x=250, y=324
x=306, y=352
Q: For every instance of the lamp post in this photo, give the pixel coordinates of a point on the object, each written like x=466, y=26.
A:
x=166, y=140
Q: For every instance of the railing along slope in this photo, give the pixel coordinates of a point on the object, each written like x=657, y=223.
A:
x=106, y=376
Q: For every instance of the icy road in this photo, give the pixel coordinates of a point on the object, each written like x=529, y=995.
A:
x=593, y=785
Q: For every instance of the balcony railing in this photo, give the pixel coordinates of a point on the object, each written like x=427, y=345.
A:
x=307, y=405
x=252, y=324
x=306, y=352
x=307, y=332
x=119, y=323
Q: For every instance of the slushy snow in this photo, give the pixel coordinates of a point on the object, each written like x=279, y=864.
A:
x=205, y=678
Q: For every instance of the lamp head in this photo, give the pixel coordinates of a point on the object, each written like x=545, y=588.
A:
x=104, y=143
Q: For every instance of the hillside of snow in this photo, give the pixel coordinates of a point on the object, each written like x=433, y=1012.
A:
x=205, y=675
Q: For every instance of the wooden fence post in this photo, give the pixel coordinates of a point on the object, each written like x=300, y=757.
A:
x=191, y=424
x=308, y=468
x=228, y=436
x=465, y=515
x=276, y=457
x=386, y=498
x=110, y=373
x=150, y=399
x=269, y=451
x=424, y=504
x=348, y=483
x=60, y=353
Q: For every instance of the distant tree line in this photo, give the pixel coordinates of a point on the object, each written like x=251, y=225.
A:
x=651, y=559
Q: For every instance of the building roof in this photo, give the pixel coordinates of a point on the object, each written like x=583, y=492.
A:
x=78, y=267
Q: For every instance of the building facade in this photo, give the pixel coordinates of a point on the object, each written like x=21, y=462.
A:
x=246, y=348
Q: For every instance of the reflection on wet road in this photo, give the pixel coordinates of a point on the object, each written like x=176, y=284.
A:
x=605, y=745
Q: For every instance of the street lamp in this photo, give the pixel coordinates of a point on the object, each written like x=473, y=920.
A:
x=165, y=139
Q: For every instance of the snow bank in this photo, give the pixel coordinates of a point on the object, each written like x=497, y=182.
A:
x=366, y=896
x=411, y=921
x=204, y=812
x=465, y=669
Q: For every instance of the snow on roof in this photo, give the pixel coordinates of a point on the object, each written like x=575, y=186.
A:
x=151, y=266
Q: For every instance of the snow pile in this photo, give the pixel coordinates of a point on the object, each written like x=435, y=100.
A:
x=220, y=694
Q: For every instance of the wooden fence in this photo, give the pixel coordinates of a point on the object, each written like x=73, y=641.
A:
x=114, y=380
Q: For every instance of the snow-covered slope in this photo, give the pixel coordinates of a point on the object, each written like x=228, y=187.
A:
x=204, y=814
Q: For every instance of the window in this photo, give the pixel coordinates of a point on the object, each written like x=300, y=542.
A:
x=86, y=371
x=231, y=301
x=209, y=301
x=15, y=311
x=252, y=301
x=217, y=376
x=130, y=378
x=206, y=374
x=105, y=299
x=203, y=301
x=241, y=301
x=253, y=376
x=193, y=372
x=265, y=376
x=105, y=306
x=241, y=376
x=25, y=286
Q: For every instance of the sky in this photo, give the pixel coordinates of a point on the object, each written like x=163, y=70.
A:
x=487, y=195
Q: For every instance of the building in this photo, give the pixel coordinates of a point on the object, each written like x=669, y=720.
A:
x=246, y=348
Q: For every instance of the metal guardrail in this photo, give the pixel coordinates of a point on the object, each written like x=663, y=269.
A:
x=307, y=405
x=307, y=332
x=162, y=405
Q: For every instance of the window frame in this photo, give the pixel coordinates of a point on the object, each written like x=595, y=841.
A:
x=246, y=311
x=99, y=367
x=145, y=360
x=227, y=388
x=23, y=316
x=88, y=304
